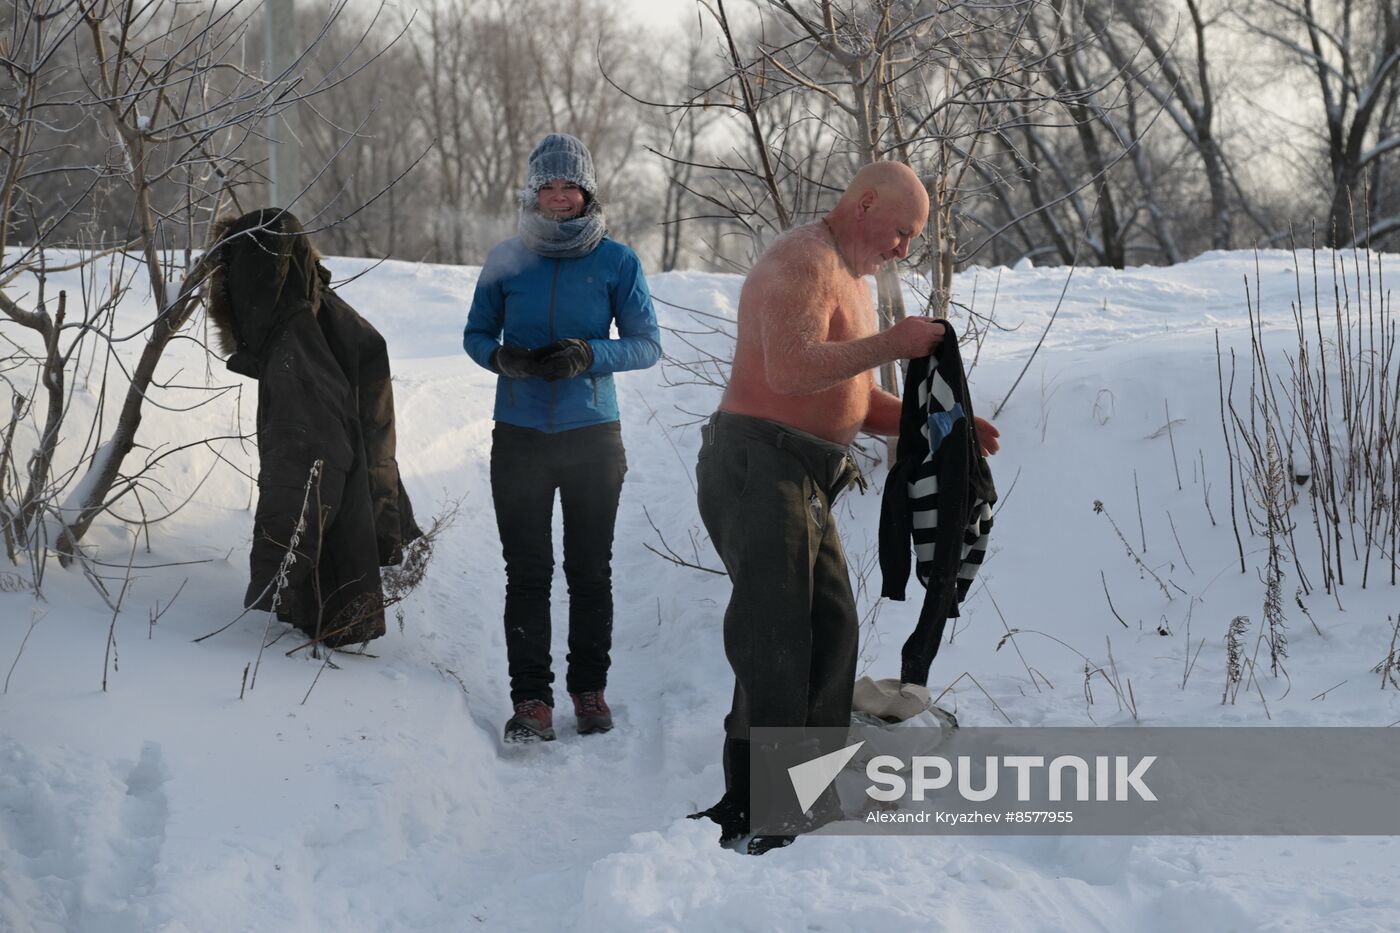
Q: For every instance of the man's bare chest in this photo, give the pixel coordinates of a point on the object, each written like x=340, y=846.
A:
x=852, y=317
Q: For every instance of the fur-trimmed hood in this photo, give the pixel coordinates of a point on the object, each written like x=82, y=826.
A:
x=265, y=270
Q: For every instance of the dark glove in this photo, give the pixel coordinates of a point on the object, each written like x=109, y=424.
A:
x=516, y=362
x=566, y=359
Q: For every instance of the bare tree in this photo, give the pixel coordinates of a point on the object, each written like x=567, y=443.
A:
x=360, y=133
x=1183, y=84
x=679, y=145
x=816, y=89
x=179, y=113
x=490, y=82
x=1351, y=49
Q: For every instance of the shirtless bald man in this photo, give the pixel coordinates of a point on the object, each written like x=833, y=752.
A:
x=777, y=454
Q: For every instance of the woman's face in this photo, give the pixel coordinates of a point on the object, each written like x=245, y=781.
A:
x=560, y=199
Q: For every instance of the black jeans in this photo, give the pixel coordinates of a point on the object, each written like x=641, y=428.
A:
x=586, y=465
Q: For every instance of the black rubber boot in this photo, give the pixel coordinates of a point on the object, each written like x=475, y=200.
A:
x=782, y=827
x=732, y=811
x=759, y=845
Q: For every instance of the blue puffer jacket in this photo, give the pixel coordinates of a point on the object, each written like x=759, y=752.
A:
x=531, y=301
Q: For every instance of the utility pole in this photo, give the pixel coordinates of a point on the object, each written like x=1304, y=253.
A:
x=283, y=128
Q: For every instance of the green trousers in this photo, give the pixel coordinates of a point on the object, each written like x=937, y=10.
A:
x=766, y=493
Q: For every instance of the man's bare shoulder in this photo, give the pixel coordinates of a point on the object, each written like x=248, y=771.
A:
x=802, y=254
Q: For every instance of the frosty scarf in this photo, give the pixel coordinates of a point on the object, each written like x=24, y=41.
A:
x=566, y=239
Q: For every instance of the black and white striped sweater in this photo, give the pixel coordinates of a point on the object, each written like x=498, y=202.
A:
x=939, y=495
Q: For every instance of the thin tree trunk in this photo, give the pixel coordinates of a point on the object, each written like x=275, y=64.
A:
x=168, y=323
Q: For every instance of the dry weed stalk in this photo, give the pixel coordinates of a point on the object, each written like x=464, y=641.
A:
x=1124, y=694
x=1100, y=509
x=1166, y=407
x=111, y=653
x=995, y=705
x=1234, y=655
x=1276, y=488
x=34, y=616
x=1189, y=662
x=1389, y=667
x=397, y=582
x=1337, y=414
x=281, y=579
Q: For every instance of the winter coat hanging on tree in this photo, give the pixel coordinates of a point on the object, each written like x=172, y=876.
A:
x=324, y=395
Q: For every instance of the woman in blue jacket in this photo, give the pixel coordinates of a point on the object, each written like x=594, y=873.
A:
x=541, y=319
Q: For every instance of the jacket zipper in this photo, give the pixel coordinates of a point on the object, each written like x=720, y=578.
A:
x=553, y=386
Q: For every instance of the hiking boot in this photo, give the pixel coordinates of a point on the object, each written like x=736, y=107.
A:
x=592, y=712
x=533, y=722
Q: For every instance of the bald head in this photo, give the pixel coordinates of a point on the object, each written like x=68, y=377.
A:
x=880, y=213
x=888, y=181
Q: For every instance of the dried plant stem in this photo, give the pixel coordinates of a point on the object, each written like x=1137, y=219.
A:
x=325, y=662
x=1388, y=666
x=1128, y=698
x=994, y=703
x=1234, y=654
x=1172, y=440
x=34, y=617
x=1259, y=688
x=116, y=610
x=1179, y=548
x=670, y=553
x=1192, y=665
x=1099, y=508
x=1205, y=487
x=1188, y=661
x=1229, y=454
x=1323, y=694
x=281, y=578
x=398, y=582
x=1303, y=608
x=1014, y=645
x=1142, y=529
x=1275, y=510
x=1110, y=601
x=157, y=612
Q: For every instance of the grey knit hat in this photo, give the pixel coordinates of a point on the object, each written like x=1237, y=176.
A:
x=560, y=155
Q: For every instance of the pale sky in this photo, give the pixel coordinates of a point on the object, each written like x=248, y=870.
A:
x=660, y=12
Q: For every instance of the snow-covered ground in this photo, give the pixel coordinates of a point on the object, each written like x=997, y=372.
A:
x=384, y=800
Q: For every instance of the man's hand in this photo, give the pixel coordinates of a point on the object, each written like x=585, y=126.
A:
x=987, y=436
x=516, y=362
x=914, y=337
